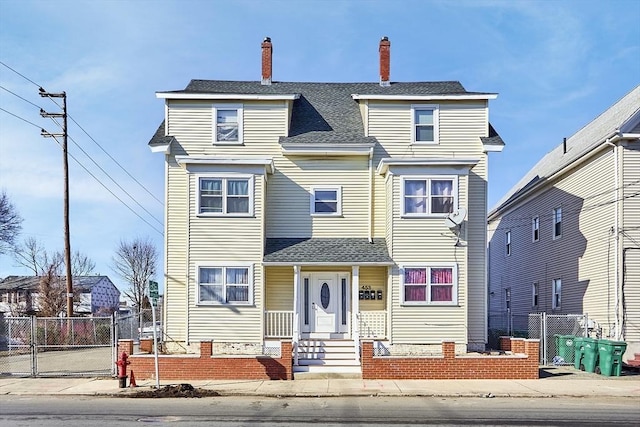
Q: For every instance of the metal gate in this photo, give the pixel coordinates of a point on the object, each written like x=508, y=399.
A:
x=57, y=346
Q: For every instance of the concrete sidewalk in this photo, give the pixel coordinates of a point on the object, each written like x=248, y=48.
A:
x=554, y=382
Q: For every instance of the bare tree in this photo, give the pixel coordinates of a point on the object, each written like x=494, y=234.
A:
x=49, y=267
x=135, y=262
x=32, y=255
x=10, y=223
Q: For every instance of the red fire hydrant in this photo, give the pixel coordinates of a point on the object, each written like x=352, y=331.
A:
x=122, y=370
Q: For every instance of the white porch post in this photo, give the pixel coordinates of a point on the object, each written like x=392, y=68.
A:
x=355, y=309
x=296, y=312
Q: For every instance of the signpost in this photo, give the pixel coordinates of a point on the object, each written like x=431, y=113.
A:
x=153, y=295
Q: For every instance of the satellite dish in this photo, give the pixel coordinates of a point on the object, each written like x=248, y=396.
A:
x=453, y=220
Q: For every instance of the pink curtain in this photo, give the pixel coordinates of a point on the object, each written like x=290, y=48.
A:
x=415, y=276
x=415, y=293
x=440, y=277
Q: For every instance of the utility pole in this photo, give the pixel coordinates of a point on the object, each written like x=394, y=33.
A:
x=65, y=161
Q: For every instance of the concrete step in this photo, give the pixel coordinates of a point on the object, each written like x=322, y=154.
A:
x=316, y=369
x=327, y=375
x=329, y=362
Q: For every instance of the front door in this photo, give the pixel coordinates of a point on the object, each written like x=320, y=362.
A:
x=324, y=303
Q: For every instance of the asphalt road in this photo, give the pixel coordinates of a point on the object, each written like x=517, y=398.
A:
x=342, y=411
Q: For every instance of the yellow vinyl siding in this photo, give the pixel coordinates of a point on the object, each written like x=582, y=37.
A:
x=288, y=200
x=279, y=288
x=460, y=128
x=176, y=252
x=476, y=240
x=226, y=240
x=376, y=279
x=427, y=241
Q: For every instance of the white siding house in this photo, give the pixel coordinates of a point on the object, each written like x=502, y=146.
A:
x=566, y=238
x=316, y=212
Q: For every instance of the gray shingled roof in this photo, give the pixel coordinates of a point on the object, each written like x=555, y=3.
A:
x=32, y=282
x=326, y=250
x=324, y=112
x=622, y=115
x=493, y=138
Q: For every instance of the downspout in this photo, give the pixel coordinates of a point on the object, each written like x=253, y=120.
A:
x=616, y=227
x=186, y=332
x=371, y=195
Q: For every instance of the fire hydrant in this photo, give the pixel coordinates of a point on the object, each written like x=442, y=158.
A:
x=122, y=370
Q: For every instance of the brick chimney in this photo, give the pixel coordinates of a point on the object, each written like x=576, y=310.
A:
x=267, y=54
x=385, y=61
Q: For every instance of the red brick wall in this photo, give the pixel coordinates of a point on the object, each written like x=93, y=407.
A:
x=206, y=367
x=450, y=366
x=146, y=345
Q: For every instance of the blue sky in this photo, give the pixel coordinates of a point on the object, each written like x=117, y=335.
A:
x=556, y=65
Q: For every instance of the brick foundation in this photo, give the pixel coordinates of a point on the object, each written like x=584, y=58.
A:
x=208, y=367
x=523, y=364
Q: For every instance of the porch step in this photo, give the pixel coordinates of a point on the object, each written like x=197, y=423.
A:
x=326, y=358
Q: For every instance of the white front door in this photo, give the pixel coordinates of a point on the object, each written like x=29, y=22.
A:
x=324, y=303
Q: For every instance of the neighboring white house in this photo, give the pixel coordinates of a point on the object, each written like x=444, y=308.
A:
x=98, y=295
x=566, y=238
x=316, y=212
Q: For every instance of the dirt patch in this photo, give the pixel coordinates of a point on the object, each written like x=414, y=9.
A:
x=180, y=390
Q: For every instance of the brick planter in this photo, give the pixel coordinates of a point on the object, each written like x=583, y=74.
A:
x=207, y=367
x=522, y=364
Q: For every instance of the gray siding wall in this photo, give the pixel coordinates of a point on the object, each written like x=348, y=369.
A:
x=582, y=257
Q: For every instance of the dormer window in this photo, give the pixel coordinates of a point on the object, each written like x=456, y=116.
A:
x=425, y=124
x=227, y=124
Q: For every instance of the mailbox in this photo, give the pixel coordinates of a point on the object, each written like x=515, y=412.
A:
x=379, y=292
x=361, y=295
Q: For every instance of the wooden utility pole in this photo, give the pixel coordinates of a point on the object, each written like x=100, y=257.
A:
x=65, y=161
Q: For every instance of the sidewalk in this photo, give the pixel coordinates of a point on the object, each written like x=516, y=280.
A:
x=554, y=382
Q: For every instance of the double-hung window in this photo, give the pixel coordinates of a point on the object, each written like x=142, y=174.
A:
x=557, y=223
x=326, y=201
x=225, y=195
x=535, y=228
x=425, y=123
x=508, y=242
x=556, y=302
x=224, y=285
x=534, y=295
x=227, y=124
x=424, y=196
x=430, y=285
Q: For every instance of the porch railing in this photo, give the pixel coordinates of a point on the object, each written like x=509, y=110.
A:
x=278, y=324
x=373, y=324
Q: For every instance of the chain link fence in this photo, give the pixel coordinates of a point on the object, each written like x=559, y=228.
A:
x=57, y=346
x=555, y=332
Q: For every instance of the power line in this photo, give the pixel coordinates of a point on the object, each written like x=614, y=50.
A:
x=23, y=119
x=86, y=154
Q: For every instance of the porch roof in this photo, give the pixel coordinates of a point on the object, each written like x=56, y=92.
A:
x=326, y=251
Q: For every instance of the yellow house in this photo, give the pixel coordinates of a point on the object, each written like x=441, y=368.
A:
x=325, y=213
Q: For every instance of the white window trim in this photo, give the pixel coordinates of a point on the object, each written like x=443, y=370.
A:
x=312, y=200
x=454, y=290
x=225, y=177
x=436, y=119
x=214, y=112
x=554, y=223
x=453, y=178
x=224, y=266
x=508, y=242
x=554, y=282
x=534, y=229
x=535, y=295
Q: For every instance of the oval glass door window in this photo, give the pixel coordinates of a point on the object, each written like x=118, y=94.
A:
x=325, y=296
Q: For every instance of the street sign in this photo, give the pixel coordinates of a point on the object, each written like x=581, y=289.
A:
x=153, y=290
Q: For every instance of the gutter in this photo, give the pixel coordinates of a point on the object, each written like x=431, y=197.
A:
x=370, y=195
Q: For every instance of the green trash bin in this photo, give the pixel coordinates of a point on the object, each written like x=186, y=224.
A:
x=578, y=352
x=610, y=354
x=589, y=355
x=564, y=347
